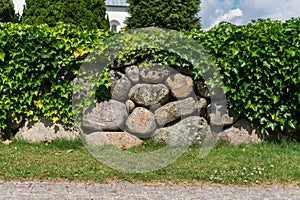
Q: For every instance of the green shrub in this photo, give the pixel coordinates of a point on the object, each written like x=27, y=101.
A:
x=260, y=66
x=88, y=13
x=174, y=14
x=7, y=11
x=37, y=67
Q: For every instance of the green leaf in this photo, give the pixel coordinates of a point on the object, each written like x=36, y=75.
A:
x=275, y=98
x=2, y=55
x=291, y=52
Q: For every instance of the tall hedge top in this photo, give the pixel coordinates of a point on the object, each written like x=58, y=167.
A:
x=173, y=14
x=260, y=65
x=87, y=13
x=7, y=11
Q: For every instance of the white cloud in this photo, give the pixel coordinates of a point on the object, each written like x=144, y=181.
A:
x=212, y=9
x=274, y=9
x=229, y=16
x=215, y=11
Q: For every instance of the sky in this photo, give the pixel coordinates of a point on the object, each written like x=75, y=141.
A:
x=243, y=11
x=235, y=11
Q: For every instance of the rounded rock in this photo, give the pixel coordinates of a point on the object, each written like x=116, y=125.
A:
x=141, y=123
x=149, y=94
x=181, y=86
x=155, y=73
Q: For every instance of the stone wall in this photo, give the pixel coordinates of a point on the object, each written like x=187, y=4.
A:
x=157, y=102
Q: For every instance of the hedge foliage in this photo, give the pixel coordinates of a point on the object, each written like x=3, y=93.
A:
x=7, y=11
x=37, y=66
x=259, y=64
x=172, y=14
x=88, y=13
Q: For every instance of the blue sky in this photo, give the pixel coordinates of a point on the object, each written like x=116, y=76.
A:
x=236, y=11
x=236, y=3
x=242, y=11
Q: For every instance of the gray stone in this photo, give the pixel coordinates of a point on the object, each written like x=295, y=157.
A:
x=119, y=139
x=149, y=94
x=120, y=85
x=155, y=73
x=191, y=130
x=45, y=130
x=242, y=132
x=174, y=110
x=115, y=189
x=133, y=73
x=202, y=106
x=130, y=106
x=181, y=86
x=105, y=116
x=141, y=123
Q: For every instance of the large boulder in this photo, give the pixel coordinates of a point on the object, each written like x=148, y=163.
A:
x=141, y=123
x=242, y=132
x=148, y=95
x=191, y=130
x=155, y=73
x=181, y=86
x=120, y=85
x=45, y=130
x=119, y=139
x=105, y=116
x=175, y=110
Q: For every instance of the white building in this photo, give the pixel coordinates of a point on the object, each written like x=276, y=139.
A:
x=117, y=13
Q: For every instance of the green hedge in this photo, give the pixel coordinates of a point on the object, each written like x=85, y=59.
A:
x=37, y=66
x=259, y=63
x=260, y=66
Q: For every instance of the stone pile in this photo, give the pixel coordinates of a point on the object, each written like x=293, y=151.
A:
x=155, y=102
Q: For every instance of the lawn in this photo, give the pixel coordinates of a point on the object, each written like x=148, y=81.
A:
x=264, y=163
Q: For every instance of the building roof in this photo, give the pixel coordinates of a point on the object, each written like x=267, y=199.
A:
x=116, y=3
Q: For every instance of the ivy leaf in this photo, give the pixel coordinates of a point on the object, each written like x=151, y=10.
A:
x=2, y=55
x=291, y=52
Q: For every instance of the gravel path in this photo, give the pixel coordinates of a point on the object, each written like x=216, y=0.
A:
x=70, y=190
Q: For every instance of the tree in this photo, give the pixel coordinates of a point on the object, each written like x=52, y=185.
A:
x=172, y=14
x=88, y=13
x=7, y=11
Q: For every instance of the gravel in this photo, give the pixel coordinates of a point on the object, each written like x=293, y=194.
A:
x=79, y=190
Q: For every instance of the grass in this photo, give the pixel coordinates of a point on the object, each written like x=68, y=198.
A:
x=265, y=163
